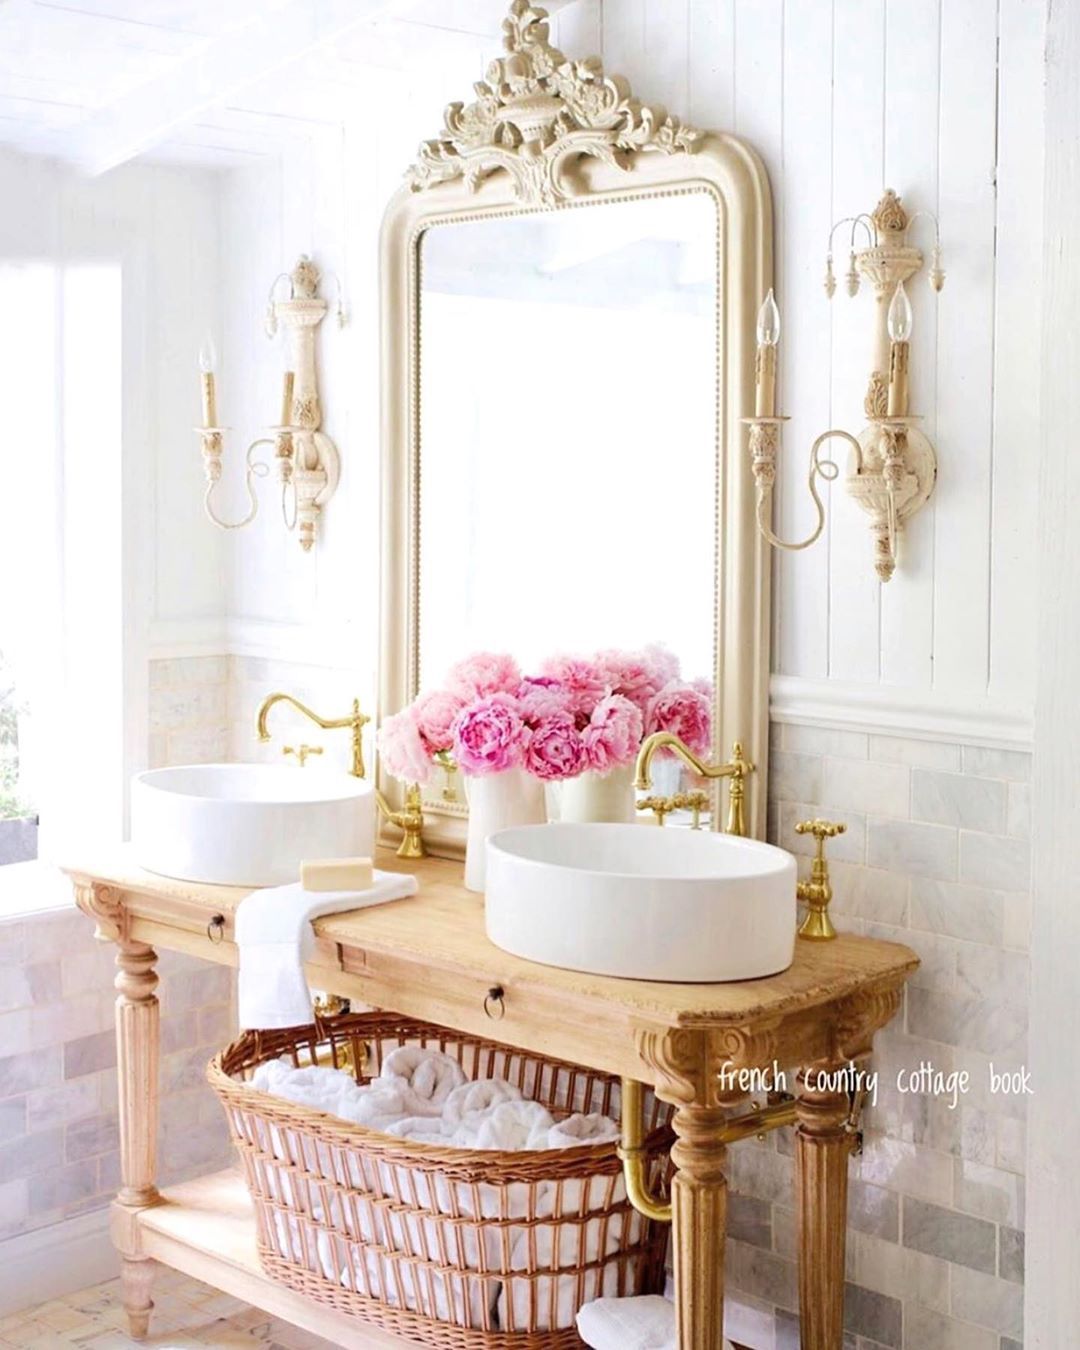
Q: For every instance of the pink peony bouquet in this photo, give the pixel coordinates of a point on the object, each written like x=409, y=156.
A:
x=579, y=714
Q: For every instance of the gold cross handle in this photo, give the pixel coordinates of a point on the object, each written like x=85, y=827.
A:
x=818, y=892
x=303, y=753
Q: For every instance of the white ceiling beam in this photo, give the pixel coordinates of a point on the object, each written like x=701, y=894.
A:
x=150, y=113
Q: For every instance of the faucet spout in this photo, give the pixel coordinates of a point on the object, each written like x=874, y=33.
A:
x=736, y=769
x=355, y=722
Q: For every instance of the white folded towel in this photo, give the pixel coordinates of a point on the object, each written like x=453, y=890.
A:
x=580, y=1129
x=510, y=1126
x=275, y=938
x=646, y=1322
x=476, y=1098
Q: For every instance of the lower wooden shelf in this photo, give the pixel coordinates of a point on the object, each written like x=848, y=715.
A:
x=206, y=1228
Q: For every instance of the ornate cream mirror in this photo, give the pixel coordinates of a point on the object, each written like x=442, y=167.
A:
x=570, y=280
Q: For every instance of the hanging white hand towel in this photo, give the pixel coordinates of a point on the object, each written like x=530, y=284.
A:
x=275, y=938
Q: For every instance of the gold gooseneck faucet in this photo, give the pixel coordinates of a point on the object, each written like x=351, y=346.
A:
x=410, y=819
x=736, y=769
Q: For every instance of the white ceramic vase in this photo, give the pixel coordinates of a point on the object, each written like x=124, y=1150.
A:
x=497, y=801
x=594, y=797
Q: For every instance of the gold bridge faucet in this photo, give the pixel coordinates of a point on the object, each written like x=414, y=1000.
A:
x=410, y=819
x=736, y=769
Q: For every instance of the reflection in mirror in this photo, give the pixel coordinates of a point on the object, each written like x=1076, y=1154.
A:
x=567, y=457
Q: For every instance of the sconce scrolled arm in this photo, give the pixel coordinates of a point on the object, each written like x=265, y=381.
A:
x=256, y=468
x=764, y=447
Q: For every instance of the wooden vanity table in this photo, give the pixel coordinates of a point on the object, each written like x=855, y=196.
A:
x=429, y=957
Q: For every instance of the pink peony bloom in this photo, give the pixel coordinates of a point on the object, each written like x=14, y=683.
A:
x=484, y=673
x=582, y=681
x=631, y=674
x=541, y=697
x=684, y=712
x=554, y=748
x=704, y=686
x=614, y=733
x=402, y=748
x=435, y=713
x=489, y=735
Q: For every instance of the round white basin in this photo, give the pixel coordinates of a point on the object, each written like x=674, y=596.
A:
x=247, y=824
x=642, y=902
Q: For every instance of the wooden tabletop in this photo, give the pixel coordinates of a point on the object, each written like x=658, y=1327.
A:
x=441, y=929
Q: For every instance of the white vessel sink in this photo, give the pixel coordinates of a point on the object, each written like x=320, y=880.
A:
x=247, y=824
x=642, y=902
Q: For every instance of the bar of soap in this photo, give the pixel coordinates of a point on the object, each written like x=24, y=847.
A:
x=337, y=874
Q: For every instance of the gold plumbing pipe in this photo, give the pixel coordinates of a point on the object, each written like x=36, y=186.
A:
x=634, y=1159
x=757, y=1121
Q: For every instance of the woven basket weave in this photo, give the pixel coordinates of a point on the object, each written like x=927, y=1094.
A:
x=461, y=1249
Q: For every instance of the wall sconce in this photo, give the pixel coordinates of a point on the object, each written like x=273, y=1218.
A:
x=893, y=467
x=306, y=460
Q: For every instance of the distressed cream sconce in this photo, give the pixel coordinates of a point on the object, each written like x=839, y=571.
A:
x=893, y=466
x=306, y=460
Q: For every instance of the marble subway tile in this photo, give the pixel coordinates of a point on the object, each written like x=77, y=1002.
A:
x=825, y=741
x=67, y=1019
x=88, y=1054
x=869, y=893
x=986, y=763
x=795, y=778
x=873, y=1210
x=187, y=670
x=1018, y=811
x=750, y=1220
x=993, y=1303
x=217, y=1023
x=63, y=1187
x=989, y=1193
x=864, y=786
x=1016, y=920
x=912, y=848
x=965, y=911
x=958, y=799
x=925, y=1329
x=25, y=986
x=763, y=1274
x=899, y=1271
x=916, y=753
x=188, y=707
x=14, y=1206
x=907, y=1167
x=70, y=1101
x=90, y=1137
x=959, y=1238
x=762, y=1173
x=29, y=1154
x=198, y=745
x=980, y=969
x=873, y=1315
x=984, y=1024
x=1011, y=1254
x=29, y=1070
x=995, y=860
x=194, y=988
x=12, y=1117
x=1011, y=1144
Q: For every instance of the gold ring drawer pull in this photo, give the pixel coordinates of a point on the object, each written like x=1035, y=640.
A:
x=495, y=998
x=215, y=929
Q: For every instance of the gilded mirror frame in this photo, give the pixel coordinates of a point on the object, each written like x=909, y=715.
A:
x=550, y=134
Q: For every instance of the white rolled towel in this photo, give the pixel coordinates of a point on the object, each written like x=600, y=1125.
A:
x=579, y=1129
x=645, y=1322
x=428, y=1076
x=476, y=1098
x=420, y=1129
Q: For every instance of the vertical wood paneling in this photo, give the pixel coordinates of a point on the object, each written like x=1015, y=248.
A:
x=667, y=34
x=579, y=29
x=802, y=591
x=911, y=142
x=858, y=155
x=624, y=47
x=1017, y=349
x=711, y=65
x=965, y=348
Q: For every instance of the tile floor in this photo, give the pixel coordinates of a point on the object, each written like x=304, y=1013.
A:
x=187, y=1316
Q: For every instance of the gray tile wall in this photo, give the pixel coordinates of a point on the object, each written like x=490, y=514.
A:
x=936, y=856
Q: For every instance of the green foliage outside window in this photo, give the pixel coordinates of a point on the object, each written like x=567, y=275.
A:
x=12, y=802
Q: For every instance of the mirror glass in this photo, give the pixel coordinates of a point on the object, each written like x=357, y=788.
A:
x=567, y=432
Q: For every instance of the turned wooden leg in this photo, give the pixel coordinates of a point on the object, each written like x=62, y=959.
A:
x=137, y=1024
x=822, y=1150
x=699, y=1226
x=136, y=1278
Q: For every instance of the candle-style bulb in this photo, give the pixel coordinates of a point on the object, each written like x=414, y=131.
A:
x=768, y=322
x=900, y=316
x=208, y=355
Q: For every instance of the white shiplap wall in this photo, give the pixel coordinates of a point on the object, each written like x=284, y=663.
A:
x=940, y=99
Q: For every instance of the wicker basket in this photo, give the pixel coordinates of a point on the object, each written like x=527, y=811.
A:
x=455, y=1248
